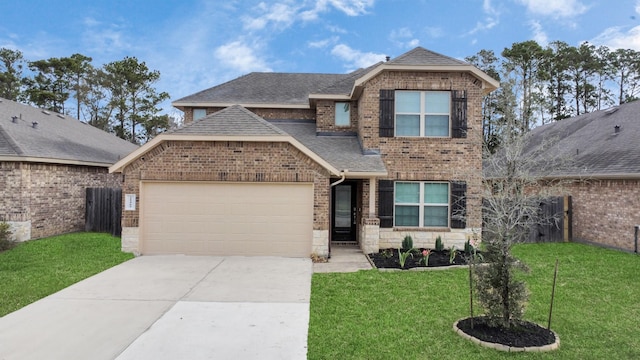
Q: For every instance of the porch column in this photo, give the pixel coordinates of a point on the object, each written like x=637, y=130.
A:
x=372, y=197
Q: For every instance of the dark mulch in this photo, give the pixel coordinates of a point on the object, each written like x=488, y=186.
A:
x=388, y=258
x=526, y=334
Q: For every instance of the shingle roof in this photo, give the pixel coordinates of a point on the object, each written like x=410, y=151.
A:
x=422, y=56
x=55, y=137
x=342, y=151
x=233, y=120
x=591, y=143
x=265, y=88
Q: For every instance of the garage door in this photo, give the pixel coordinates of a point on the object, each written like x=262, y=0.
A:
x=226, y=219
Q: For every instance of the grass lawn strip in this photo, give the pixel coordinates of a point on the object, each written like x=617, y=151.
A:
x=409, y=315
x=38, y=268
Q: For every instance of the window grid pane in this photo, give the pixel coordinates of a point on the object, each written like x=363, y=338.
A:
x=408, y=102
x=407, y=215
x=436, y=125
x=437, y=102
x=408, y=193
x=436, y=193
x=408, y=125
x=436, y=216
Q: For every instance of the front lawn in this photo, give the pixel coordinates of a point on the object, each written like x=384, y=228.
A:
x=409, y=315
x=35, y=269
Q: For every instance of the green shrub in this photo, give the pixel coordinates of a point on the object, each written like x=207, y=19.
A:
x=6, y=243
x=407, y=243
x=439, y=245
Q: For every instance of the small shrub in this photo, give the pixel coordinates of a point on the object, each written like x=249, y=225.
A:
x=6, y=243
x=452, y=254
x=468, y=249
x=407, y=243
x=439, y=245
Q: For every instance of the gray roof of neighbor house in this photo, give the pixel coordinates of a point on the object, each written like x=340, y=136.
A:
x=233, y=120
x=593, y=145
x=294, y=89
x=343, y=151
x=32, y=134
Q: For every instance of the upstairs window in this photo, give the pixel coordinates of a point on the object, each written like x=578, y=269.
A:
x=422, y=113
x=199, y=114
x=343, y=114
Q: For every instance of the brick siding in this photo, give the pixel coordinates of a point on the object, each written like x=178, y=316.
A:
x=606, y=211
x=325, y=117
x=51, y=196
x=228, y=161
x=428, y=159
x=265, y=113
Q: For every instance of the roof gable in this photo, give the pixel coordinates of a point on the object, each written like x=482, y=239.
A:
x=30, y=133
x=234, y=120
x=421, y=56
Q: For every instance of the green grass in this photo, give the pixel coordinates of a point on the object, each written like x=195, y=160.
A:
x=35, y=269
x=409, y=315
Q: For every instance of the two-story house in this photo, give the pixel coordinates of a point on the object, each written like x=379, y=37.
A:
x=290, y=163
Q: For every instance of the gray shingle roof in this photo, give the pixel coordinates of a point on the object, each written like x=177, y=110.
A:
x=422, y=56
x=56, y=136
x=591, y=143
x=343, y=152
x=235, y=121
x=265, y=88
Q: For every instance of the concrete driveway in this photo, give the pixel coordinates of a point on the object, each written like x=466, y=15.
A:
x=170, y=307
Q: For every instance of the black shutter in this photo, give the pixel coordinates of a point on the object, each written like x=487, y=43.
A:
x=385, y=203
x=459, y=113
x=387, y=112
x=458, y=204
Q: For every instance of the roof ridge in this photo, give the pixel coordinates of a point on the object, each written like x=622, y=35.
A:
x=422, y=49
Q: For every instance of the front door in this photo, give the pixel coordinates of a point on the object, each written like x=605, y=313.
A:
x=343, y=214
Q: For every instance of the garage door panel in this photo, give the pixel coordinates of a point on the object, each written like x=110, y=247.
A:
x=227, y=218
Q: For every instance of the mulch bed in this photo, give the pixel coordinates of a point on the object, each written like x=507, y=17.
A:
x=388, y=258
x=526, y=334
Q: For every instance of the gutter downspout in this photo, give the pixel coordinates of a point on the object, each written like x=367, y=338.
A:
x=343, y=175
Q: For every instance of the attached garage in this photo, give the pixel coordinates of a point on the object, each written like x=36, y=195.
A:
x=226, y=218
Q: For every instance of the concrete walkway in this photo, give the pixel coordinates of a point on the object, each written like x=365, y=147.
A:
x=170, y=307
x=344, y=259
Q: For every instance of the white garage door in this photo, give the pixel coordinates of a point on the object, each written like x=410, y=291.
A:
x=226, y=218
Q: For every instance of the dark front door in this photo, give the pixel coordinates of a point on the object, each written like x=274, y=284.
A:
x=343, y=214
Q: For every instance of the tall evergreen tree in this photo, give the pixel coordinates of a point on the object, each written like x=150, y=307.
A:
x=11, y=63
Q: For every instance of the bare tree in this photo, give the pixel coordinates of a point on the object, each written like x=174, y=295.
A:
x=516, y=180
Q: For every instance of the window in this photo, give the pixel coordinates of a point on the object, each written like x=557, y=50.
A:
x=343, y=116
x=199, y=114
x=422, y=113
x=421, y=204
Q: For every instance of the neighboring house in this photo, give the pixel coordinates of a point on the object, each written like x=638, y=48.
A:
x=290, y=163
x=604, y=154
x=47, y=160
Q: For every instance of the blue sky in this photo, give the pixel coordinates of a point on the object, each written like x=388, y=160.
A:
x=196, y=44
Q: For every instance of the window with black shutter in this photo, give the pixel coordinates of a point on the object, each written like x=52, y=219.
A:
x=459, y=114
x=458, y=204
x=385, y=203
x=387, y=112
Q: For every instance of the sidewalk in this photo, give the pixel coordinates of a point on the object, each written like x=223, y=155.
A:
x=344, y=259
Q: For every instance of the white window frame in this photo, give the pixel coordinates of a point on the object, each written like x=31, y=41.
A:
x=194, y=113
x=422, y=114
x=421, y=204
x=335, y=114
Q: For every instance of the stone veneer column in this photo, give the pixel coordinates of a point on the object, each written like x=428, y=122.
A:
x=370, y=235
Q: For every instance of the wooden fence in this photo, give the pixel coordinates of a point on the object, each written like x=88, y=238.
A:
x=104, y=210
x=557, y=225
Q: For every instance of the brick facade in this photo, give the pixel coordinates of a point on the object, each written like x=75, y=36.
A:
x=606, y=211
x=42, y=200
x=428, y=159
x=240, y=161
x=325, y=117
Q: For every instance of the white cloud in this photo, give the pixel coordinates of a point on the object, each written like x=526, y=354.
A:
x=434, y=32
x=539, y=35
x=240, y=57
x=348, y=7
x=101, y=38
x=323, y=43
x=403, y=37
x=637, y=6
x=616, y=38
x=281, y=15
x=491, y=19
x=356, y=58
x=555, y=8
